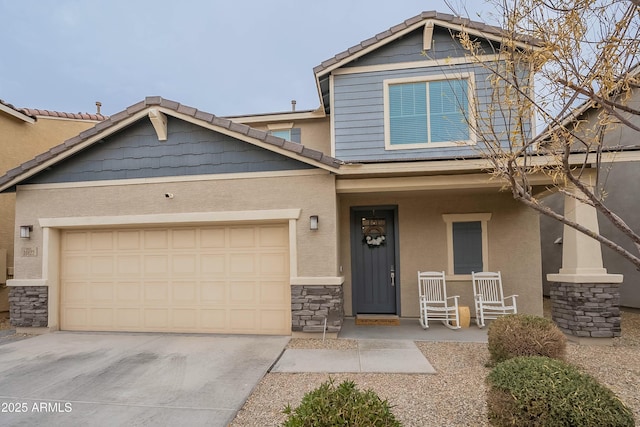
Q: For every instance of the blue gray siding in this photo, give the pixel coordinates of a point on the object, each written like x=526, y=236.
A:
x=359, y=114
x=410, y=47
x=135, y=152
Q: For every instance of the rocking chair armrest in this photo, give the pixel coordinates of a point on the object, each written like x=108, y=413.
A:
x=454, y=297
x=513, y=297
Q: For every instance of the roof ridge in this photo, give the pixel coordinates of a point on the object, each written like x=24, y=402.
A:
x=64, y=115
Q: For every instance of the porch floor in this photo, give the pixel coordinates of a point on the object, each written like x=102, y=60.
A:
x=410, y=329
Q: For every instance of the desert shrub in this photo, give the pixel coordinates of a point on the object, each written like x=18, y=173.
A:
x=539, y=391
x=343, y=405
x=524, y=335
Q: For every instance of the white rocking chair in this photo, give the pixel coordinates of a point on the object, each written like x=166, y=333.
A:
x=434, y=303
x=489, y=298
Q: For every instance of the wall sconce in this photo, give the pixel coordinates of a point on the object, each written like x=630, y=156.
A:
x=25, y=231
x=313, y=222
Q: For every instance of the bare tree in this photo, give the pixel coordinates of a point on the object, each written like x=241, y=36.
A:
x=582, y=57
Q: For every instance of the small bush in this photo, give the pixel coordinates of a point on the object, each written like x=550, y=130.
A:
x=343, y=405
x=524, y=335
x=539, y=391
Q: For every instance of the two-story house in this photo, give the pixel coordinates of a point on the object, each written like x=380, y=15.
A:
x=167, y=218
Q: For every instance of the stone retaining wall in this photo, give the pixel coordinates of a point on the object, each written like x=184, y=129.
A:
x=589, y=310
x=29, y=306
x=310, y=305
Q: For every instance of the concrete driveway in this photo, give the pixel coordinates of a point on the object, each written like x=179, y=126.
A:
x=109, y=379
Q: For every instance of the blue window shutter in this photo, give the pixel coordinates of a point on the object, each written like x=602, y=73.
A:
x=467, y=247
x=408, y=113
x=296, y=135
x=449, y=105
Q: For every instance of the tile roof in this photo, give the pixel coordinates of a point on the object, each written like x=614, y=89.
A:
x=443, y=17
x=263, y=136
x=77, y=116
x=33, y=113
x=19, y=110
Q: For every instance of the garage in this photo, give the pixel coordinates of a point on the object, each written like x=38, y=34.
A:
x=205, y=279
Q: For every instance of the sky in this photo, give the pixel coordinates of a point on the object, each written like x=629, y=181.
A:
x=228, y=58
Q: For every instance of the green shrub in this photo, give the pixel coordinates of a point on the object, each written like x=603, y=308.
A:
x=539, y=391
x=516, y=335
x=343, y=405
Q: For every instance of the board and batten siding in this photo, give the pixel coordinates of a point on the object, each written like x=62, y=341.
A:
x=135, y=152
x=359, y=114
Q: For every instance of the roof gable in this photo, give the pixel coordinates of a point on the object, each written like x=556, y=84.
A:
x=155, y=105
x=135, y=152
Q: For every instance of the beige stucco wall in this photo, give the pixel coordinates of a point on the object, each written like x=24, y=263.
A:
x=19, y=142
x=313, y=193
x=513, y=238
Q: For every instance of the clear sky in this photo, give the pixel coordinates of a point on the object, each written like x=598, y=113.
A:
x=223, y=57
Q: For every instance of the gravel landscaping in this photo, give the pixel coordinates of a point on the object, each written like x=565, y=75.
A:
x=455, y=395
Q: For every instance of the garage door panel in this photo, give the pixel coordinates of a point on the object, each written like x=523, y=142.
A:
x=128, y=265
x=242, y=264
x=214, y=279
x=213, y=264
x=128, y=240
x=156, y=239
x=128, y=293
x=184, y=264
x=156, y=293
x=155, y=265
x=212, y=238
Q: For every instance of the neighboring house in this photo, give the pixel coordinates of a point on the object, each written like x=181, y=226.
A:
x=166, y=218
x=616, y=179
x=25, y=133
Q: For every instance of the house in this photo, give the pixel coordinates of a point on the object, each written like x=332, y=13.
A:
x=167, y=218
x=25, y=133
x=614, y=179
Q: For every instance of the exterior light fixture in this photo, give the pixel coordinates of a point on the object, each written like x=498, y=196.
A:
x=25, y=231
x=313, y=222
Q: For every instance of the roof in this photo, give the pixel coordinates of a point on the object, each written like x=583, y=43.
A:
x=444, y=19
x=32, y=113
x=135, y=112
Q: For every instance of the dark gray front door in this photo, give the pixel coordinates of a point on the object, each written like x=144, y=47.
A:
x=373, y=260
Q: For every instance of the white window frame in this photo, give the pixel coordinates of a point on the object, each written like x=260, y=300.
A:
x=449, y=219
x=470, y=77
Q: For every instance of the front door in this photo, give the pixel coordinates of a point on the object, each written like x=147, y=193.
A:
x=373, y=260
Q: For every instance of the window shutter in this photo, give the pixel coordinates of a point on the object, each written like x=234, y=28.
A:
x=449, y=106
x=408, y=113
x=296, y=135
x=467, y=247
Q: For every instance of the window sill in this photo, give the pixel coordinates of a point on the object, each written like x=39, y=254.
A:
x=391, y=147
x=458, y=277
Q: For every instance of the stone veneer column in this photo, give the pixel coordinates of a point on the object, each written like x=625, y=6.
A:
x=585, y=299
x=29, y=306
x=311, y=304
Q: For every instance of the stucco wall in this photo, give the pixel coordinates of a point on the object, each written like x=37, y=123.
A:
x=315, y=133
x=513, y=238
x=313, y=193
x=20, y=142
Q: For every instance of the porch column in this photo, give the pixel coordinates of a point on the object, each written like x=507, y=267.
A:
x=585, y=298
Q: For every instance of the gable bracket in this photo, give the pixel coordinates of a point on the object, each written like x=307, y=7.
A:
x=159, y=122
x=427, y=35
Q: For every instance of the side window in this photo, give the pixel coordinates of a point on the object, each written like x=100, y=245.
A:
x=427, y=113
x=467, y=247
x=467, y=243
x=290, y=134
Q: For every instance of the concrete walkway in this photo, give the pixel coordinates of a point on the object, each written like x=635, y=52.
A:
x=392, y=356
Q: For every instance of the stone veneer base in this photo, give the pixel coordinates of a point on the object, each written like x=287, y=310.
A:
x=28, y=306
x=586, y=310
x=311, y=304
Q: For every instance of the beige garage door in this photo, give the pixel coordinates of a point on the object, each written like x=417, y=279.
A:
x=218, y=279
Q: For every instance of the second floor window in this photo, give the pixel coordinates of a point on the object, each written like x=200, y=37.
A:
x=420, y=113
x=292, y=134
